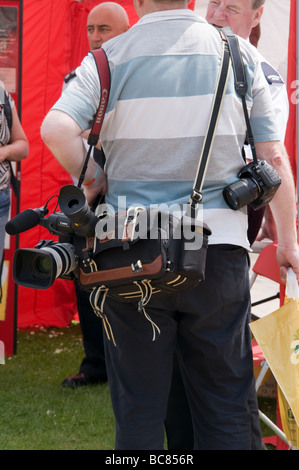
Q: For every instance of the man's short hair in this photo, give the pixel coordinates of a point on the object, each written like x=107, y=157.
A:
x=257, y=3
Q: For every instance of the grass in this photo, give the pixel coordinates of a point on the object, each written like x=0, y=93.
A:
x=268, y=407
x=37, y=413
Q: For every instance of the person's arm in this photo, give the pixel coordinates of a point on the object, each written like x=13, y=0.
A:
x=62, y=135
x=283, y=206
x=17, y=148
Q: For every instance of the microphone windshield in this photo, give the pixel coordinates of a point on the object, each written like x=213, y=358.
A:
x=23, y=221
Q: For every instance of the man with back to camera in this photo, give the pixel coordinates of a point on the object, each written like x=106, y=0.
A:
x=242, y=16
x=152, y=134
x=104, y=22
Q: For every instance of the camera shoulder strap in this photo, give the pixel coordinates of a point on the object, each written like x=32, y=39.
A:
x=241, y=86
x=196, y=196
x=104, y=77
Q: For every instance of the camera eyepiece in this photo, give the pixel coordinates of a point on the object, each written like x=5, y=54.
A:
x=73, y=204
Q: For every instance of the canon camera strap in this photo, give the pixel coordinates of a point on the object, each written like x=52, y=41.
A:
x=104, y=77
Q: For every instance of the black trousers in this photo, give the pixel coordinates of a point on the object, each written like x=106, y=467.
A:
x=178, y=422
x=94, y=363
x=208, y=327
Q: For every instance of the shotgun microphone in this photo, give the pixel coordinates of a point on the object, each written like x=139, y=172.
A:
x=25, y=220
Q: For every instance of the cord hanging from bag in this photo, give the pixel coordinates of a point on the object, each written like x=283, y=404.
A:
x=100, y=294
x=146, y=290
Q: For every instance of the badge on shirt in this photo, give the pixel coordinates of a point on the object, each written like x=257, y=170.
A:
x=272, y=76
x=69, y=76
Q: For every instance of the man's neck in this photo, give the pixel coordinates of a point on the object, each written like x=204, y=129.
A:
x=151, y=6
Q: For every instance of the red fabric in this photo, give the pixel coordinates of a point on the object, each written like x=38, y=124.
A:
x=291, y=134
x=46, y=59
x=290, y=142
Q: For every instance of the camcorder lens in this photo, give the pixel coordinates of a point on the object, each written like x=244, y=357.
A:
x=38, y=268
x=43, y=265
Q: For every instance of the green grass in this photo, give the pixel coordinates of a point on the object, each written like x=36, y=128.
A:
x=268, y=407
x=36, y=412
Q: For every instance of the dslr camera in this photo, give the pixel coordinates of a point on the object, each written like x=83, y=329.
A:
x=75, y=226
x=256, y=187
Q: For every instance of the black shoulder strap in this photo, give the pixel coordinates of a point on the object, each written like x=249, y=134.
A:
x=196, y=196
x=241, y=86
x=7, y=111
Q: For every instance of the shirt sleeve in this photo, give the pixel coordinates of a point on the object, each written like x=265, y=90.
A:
x=81, y=98
x=262, y=116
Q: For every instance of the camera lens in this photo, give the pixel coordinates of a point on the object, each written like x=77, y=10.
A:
x=43, y=264
x=38, y=268
x=58, y=258
x=241, y=193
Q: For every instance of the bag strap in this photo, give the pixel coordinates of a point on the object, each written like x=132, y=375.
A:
x=7, y=111
x=15, y=183
x=104, y=76
x=196, y=196
x=241, y=86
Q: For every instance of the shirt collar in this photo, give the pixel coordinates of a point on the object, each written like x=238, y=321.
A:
x=170, y=14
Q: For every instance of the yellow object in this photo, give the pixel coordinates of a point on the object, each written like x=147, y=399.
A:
x=4, y=283
x=278, y=337
x=288, y=421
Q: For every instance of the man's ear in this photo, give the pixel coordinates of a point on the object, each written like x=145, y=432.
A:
x=257, y=16
x=138, y=4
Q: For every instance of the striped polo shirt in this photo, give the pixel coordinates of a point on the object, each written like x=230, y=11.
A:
x=163, y=76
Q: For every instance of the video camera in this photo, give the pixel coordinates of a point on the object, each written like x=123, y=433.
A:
x=39, y=267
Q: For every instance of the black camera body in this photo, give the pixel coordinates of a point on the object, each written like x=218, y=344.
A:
x=256, y=187
x=75, y=226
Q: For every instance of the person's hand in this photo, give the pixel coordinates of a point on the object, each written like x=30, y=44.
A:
x=99, y=186
x=85, y=135
x=287, y=257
